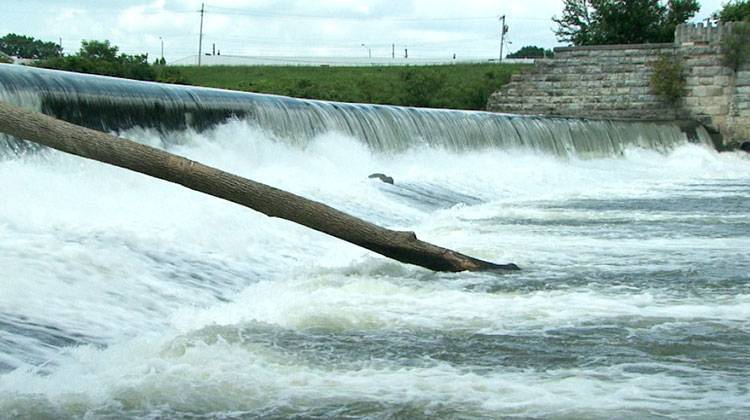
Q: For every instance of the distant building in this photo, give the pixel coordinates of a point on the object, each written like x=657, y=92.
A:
x=9, y=59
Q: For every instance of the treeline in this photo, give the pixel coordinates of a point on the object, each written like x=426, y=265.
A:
x=101, y=57
x=531, y=51
x=94, y=57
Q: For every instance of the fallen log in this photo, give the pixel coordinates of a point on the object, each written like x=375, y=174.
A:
x=273, y=202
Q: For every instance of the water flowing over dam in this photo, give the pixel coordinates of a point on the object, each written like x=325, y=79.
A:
x=110, y=104
x=125, y=296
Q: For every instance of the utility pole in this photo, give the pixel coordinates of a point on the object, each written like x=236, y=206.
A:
x=200, y=36
x=503, y=31
x=393, y=51
x=162, y=48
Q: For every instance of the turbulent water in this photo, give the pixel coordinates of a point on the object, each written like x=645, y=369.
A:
x=125, y=296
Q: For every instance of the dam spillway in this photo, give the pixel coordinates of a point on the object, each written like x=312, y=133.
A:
x=110, y=104
x=125, y=297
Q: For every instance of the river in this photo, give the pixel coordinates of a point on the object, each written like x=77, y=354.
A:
x=125, y=296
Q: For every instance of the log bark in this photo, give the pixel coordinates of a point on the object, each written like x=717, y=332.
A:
x=273, y=202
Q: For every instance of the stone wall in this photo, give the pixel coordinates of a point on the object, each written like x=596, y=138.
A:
x=614, y=81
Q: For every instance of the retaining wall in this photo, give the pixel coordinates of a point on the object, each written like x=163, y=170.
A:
x=614, y=82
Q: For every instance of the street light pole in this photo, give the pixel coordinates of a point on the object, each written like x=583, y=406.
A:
x=369, y=51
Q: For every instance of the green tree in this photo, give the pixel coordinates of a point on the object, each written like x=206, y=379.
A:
x=98, y=50
x=531, y=52
x=576, y=23
x=601, y=22
x=28, y=47
x=734, y=11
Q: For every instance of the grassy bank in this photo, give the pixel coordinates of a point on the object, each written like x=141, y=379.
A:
x=461, y=86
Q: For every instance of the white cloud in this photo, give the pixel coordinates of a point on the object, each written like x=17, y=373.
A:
x=150, y=17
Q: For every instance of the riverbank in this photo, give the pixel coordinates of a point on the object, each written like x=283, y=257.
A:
x=460, y=86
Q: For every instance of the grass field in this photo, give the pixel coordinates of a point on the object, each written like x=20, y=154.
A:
x=461, y=86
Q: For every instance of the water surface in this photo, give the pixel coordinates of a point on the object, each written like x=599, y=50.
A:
x=122, y=295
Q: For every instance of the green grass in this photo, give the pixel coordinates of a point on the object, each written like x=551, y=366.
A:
x=460, y=86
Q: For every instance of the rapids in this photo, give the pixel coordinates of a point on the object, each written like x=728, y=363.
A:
x=121, y=295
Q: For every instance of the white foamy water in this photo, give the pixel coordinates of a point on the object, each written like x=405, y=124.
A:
x=121, y=295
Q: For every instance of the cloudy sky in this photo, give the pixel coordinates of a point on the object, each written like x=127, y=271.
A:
x=429, y=28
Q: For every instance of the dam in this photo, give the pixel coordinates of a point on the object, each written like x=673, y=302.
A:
x=124, y=296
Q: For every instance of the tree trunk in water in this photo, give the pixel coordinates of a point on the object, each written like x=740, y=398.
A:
x=80, y=141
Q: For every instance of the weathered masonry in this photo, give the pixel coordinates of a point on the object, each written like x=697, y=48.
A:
x=613, y=82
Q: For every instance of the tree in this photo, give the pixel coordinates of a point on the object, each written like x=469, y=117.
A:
x=273, y=202
x=677, y=13
x=601, y=22
x=27, y=47
x=734, y=11
x=531, y=52
x=576, y=23
x=98, y=50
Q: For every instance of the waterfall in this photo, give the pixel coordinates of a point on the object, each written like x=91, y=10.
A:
x=112, y=104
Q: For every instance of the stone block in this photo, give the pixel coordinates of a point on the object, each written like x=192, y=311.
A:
x=708, y=71
x=721, y=80
x=716, y=110
x=706, y=91
x=703, y=61
x=743, y=79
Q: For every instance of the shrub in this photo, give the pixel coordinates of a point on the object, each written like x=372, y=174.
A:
x=668, y=79
x=420, y=88
x=170, y=75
